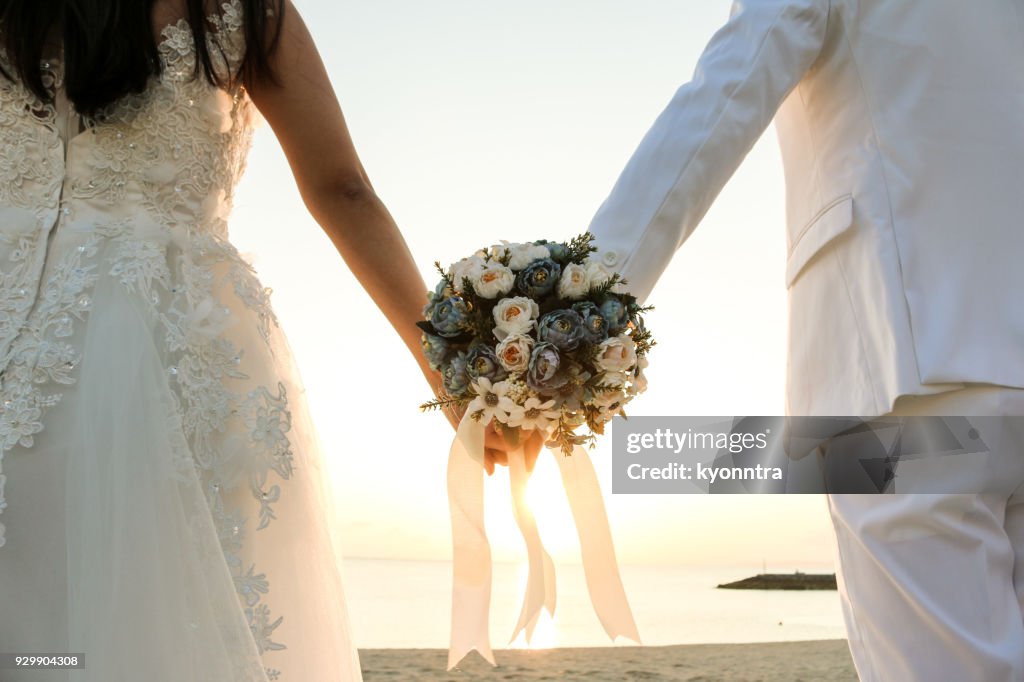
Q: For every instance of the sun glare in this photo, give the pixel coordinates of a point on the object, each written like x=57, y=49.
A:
x=547, y=499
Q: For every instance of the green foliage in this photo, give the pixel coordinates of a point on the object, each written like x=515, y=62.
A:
x=565, y=438
x=443, y=402
x=644, y=341
x=443, y=273
x=602, y=290
x=579, y=248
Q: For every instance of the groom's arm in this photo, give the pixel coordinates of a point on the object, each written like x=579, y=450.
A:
x=697, y=142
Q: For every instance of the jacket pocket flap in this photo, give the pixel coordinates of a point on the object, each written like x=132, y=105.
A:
x=833, y=220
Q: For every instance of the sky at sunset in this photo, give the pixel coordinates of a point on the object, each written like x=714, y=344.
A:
x=483, y=121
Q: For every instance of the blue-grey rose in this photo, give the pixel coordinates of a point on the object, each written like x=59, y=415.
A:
x=440, y=292
x=613, y=310
x=450, y=317
x=544, y=374
x=539, y=278
x=559, y=251
x=561, y=328
x=456, y=378
x=435, y=348
x=482, y=361
x=595, y=327
x=568, y=394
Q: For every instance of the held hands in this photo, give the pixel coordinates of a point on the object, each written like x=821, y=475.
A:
x=497, y=447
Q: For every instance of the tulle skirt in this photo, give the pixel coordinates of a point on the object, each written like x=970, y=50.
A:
x=124, y=543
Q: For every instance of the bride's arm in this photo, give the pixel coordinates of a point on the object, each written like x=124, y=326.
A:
x=304, y=113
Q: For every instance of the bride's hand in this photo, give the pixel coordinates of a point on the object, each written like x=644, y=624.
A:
x=496, y=448
x=494, y=443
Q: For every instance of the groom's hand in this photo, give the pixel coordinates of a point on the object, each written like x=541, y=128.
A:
x=496, y=448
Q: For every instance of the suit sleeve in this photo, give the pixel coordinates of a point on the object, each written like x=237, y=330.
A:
x=698, y=141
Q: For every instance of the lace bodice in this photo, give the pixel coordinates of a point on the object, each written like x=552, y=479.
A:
x=140, y=195
x=166, y=159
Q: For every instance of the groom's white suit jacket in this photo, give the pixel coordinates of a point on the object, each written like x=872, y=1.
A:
x=902, y=130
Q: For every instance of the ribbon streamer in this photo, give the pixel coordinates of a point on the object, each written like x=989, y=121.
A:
x=471, y=590
x=540, y=582
x=471, y=560
x=599, y=564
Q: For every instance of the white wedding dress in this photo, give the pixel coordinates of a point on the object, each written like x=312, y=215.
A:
x=162, y=488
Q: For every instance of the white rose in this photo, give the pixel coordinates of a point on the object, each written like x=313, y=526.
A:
x=514, y=353
x=493, y=280
x=574, y=283
x=522, y=255
x=499, y=251
x=639, y=381
x=598, y=274
x=514, y=316
x=617, y=354
x=639, y=384
x=467, y=268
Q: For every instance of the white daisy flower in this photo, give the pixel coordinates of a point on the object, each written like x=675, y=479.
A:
x=491, y=401
x=534, y=415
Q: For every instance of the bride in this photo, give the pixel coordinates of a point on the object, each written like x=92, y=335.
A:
x=161, y=484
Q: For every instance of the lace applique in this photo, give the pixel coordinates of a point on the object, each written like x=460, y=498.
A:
x=179, y=147
x=31, y=170
x=30, y=149
x=39, y=357
x=150, y=188
x=256, y=297
x=269, y=421
x=206, y=371
x=263, y=627
x=139, y=265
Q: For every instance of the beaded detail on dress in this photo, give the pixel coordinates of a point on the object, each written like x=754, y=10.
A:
x=140, y=195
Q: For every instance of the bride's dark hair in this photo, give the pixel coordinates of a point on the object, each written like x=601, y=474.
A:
x=110, y=49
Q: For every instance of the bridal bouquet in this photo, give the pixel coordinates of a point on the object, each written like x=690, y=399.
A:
x=536, y=336
x=532, y=337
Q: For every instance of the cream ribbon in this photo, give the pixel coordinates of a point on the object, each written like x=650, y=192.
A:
x=471, y=590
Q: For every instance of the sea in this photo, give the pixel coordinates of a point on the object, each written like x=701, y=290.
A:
x=406, y=604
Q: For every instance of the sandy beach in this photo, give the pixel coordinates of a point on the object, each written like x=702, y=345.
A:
x=817, y=661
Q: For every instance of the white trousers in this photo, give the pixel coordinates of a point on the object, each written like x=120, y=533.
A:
x=932, y=585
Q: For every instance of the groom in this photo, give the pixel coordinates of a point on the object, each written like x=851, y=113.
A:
x=902, y=130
